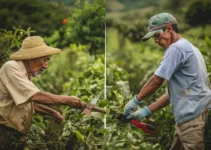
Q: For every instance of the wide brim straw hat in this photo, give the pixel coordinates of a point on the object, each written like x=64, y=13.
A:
x=33, y=47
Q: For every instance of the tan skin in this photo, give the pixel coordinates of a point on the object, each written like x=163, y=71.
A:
x=40, y=98
x=165, y=39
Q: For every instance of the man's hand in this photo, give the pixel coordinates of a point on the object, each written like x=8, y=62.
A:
x=75, y=102
x=140, y=114
x=131, y=106
x=47, y=111
x=57, y=117
x=52, y=99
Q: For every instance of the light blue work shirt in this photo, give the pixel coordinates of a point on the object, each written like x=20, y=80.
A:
x=184, y=69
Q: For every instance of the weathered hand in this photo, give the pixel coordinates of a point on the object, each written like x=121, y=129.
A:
x=131, y=106
x=140, y=114
x=75, y=102
x=58, y=117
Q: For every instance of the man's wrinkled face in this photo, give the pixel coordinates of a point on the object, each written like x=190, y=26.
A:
x=163, y=38
x=40, y=64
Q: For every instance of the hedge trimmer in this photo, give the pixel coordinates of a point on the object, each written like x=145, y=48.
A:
x=145, y=127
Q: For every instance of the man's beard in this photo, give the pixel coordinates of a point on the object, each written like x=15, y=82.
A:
x=39, y=72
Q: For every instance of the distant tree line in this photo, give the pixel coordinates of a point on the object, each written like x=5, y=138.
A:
x=66, y=2
x=42, y=16
x=197, y=14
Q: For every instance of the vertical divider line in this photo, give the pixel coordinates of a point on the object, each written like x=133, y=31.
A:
x=105, y=76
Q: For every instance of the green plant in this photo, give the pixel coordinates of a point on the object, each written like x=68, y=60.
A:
x=91, y=131
x=44, y=17
x=198, y=13
x=85, y=26
x=87, y=86
x=10, y=41
x=44, y=134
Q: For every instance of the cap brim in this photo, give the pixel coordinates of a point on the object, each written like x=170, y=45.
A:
x=149, y=35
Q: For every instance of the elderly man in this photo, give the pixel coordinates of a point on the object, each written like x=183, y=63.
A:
x=189, y=93
x=20, y=98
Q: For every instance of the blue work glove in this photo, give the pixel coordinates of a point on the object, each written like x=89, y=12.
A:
x=140, y=114
x=131, y=106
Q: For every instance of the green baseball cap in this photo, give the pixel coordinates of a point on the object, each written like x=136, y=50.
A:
x=158, y=22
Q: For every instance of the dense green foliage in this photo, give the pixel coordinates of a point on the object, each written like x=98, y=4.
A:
x=42, y=16
x=91, y=131
x=86, y=80
x=87, y=86
x=68, y=36
x=199, y=13
x=10, y=41
x=126, y=5
x=85, y=26
x=66, y=2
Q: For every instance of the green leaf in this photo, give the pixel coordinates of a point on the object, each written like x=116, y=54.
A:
x=208, y=41
x=103, y=103
x=79, y=136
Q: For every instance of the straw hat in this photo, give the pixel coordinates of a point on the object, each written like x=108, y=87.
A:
x=33, y=47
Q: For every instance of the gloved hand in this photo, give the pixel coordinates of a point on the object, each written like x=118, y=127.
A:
x=140, y=114
x=131, y=106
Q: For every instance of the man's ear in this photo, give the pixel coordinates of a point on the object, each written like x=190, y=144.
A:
x=170, y=28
